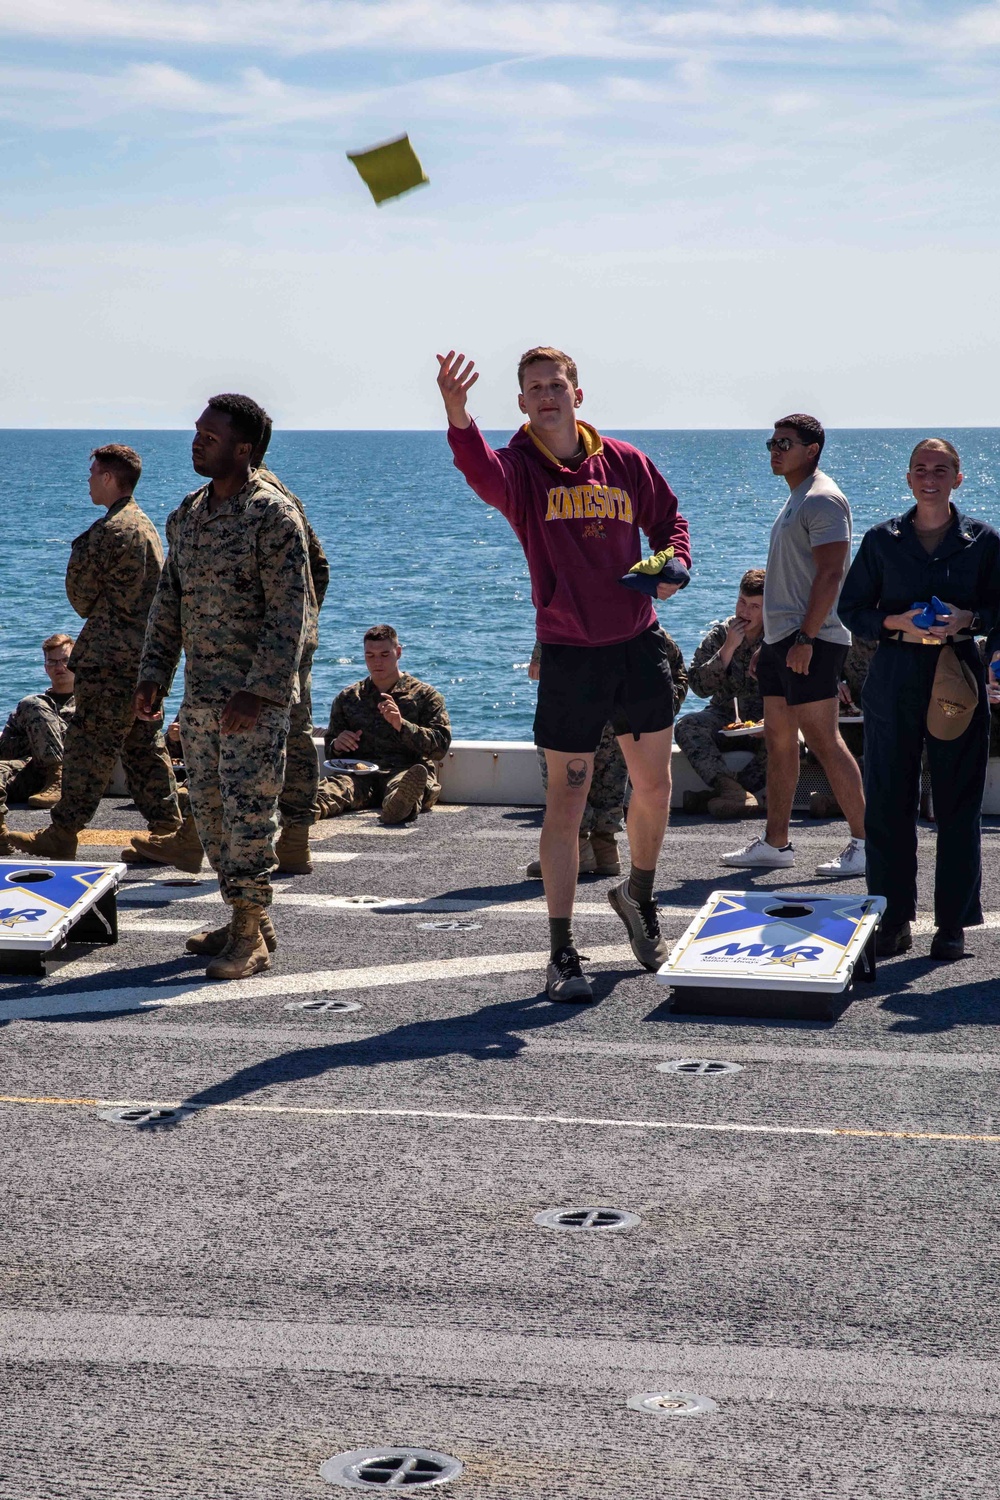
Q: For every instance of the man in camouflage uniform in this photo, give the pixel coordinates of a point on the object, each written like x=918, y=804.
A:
x=113, y=571
x=721, y=671
x=299, y=802
x=604, y=813
x=394, y=720
x=298, y=805
x=234, y=597
x=31, y=742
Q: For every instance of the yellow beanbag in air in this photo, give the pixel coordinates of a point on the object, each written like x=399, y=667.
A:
x=389, y=169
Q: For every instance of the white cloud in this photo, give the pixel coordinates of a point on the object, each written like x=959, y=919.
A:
x=977, y=28
x=585, y=28
x=784, y=22
x=256, y=100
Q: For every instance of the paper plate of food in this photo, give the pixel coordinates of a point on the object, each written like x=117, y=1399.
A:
x=743, y=729
x=346, y=767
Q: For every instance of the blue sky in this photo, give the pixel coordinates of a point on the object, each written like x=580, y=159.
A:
x=724, y=210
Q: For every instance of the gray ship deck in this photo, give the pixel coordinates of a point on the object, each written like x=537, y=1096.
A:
x=337, y=1248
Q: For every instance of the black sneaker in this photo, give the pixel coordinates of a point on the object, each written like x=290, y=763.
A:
x=947, y=944
x=564, y=979
x=893, y=938
x=643, y=922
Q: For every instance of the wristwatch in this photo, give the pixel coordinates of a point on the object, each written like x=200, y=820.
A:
x=805, y=640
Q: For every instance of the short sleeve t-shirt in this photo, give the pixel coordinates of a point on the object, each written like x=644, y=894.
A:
x=814, y=513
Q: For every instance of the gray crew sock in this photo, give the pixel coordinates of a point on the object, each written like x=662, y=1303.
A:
x=640, y=883
x=560, y=934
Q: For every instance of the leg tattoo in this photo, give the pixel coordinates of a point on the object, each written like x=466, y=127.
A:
x=576, y=772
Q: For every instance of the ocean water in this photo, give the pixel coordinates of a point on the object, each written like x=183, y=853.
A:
x=410, y=544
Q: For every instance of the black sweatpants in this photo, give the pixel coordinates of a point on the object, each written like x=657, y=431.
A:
x=895, y=699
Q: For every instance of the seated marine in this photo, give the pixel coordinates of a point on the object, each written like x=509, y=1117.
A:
x=391, y=720
x=31, y=742
x=722, y=671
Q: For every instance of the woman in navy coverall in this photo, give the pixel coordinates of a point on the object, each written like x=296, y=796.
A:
x=931, y=550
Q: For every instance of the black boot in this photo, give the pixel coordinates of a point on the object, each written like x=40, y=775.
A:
x=948, y=944
x=893, y=938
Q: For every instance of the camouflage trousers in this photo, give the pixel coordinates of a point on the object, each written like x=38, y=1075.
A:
x=343, y=794
x=697, y=735
x=235, y=781
x=605, y=809
x=19, y=780
x=298, y=803
x=103, y=727
x=45, y=729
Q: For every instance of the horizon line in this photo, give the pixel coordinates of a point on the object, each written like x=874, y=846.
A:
x=442, y=431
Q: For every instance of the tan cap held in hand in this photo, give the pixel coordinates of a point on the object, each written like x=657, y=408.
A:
x=954, y=696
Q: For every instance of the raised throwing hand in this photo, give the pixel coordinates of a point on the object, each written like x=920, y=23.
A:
x=456, y=377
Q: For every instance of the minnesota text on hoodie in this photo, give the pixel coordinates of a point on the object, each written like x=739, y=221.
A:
x=580, y=528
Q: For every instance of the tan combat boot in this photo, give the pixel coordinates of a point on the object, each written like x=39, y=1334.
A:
x=431, y=798
x=182, y=849
x=212, y=941
x=696, y=802
x=606, y=861
x=731, y=800
x=50, y=843
x=246, y=951
x=824, y=805
x=588, y=864
x=403, y=802
x=50, y=791
x=292, y=849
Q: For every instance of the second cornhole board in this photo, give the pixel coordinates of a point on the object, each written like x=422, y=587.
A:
x=785, y=954
x=43, y=902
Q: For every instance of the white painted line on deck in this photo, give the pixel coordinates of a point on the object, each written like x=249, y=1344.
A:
x=363, y=1027
x=407, y=906
x=165, y=925
x=84, y=967
x=136, y=896
x=209, y=992
x=322, y=1111
x=585, y=1368
x=348, y=828
x=403, y=906
x=711, y=837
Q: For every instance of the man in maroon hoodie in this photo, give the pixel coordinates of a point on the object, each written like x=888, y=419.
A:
x=578, y=502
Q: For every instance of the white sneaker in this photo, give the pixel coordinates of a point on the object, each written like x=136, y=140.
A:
x=848, y=863
x=759, y=855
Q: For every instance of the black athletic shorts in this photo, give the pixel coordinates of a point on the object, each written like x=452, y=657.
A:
x=581, y=688
x=822, y=681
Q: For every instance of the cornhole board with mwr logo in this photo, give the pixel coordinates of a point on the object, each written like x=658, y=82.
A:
x=43, y=902
x=792, y=955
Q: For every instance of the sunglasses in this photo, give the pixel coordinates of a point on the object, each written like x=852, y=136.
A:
x=782, y=444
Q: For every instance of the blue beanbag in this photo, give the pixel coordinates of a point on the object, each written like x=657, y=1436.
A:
x=929, y=612
x=662, y=567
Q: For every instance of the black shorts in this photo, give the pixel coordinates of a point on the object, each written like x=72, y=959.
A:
x=822, y=681
x=581, y=688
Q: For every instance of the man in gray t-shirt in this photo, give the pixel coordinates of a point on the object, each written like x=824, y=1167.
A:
x=800, y=662
x=814, y=515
